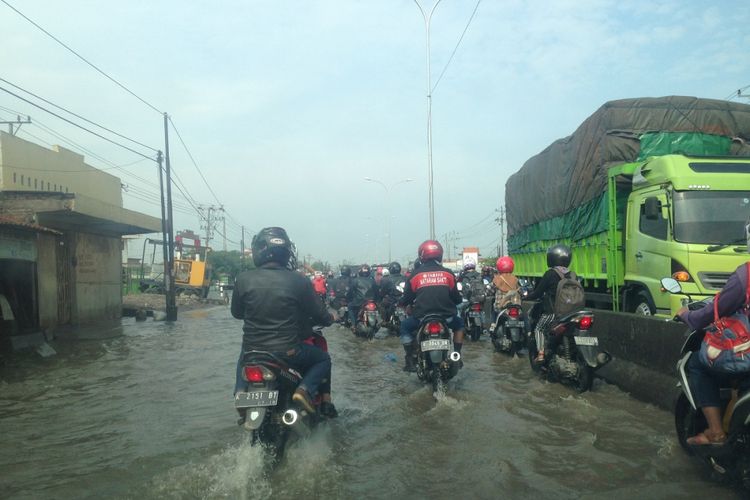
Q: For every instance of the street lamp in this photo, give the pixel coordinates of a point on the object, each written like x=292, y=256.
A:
x=388, y=203
x=427, y=18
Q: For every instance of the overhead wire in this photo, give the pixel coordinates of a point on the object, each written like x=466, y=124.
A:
x=77, y=115
x=456, y=47
x=192, y=159
x=82, y=58
x=72, y=122
x=736, y=93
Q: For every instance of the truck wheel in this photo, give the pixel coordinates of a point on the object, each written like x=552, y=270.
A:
x=642, y=305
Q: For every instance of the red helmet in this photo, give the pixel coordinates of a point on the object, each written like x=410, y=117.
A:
x=504, y=264
x=430, y=250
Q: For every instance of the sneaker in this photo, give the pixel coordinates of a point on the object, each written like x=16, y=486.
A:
x=301, y=397
x=328, y=410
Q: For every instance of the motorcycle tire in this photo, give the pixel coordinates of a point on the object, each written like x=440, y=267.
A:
x=585, y=378
x=273, y=439
x=532, y=352
x=687, y=422
x=476, y=332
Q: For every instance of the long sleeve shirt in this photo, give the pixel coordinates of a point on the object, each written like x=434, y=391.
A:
x=732, y=297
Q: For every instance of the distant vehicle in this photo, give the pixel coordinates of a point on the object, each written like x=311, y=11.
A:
x=192, y=271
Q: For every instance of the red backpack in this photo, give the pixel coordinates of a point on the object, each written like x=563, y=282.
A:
x=726, y=345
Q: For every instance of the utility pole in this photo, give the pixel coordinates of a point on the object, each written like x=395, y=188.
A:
x=18, y=122
x=501, y=221
x=242, y=245
x=224, y=227
x=171, y=299
x=159, y=161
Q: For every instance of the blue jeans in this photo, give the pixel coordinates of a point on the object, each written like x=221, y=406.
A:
x=313, y=363
x=409, y=326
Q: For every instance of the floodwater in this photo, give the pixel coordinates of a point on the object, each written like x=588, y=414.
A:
x=149, y=414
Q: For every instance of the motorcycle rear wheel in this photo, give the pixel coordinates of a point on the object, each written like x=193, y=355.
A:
x=476, y=332
x=273, y=439
x=585, y=378
x=532, y=352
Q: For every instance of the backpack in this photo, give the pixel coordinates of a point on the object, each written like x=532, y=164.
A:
x=569, y=296
x=726, y=344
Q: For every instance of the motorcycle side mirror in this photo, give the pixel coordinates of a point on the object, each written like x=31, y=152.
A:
x=671, y=285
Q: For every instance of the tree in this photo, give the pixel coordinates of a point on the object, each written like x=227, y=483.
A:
x=229, y=264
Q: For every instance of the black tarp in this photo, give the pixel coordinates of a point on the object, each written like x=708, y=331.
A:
x=573, y=171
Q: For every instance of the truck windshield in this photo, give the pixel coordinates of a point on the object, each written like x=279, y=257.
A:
x=711, y=217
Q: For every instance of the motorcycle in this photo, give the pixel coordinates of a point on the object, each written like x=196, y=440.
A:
x=437, y=360
x=577, y=356
x=730, y=461
x=474, y=320
x=368, y=320
x=266, y=407
x=396, y=313
x=509, y=332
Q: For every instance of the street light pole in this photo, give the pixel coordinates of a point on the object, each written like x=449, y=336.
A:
x=388, y=203
x=427, y=18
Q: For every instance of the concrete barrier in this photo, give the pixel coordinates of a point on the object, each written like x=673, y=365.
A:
x=645, y=352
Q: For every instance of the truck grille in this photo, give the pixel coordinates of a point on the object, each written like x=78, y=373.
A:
x=714, y=281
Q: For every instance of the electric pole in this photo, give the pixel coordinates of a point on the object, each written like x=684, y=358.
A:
x=242, y=245
x=18, y=122
x=501, y=221
x=171, y=305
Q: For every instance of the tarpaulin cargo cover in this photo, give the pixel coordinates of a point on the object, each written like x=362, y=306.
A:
x=572, y=172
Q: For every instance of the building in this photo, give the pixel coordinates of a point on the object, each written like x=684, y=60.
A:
x=61, y=226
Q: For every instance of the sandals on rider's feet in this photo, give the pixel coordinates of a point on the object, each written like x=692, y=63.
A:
x=703, y=439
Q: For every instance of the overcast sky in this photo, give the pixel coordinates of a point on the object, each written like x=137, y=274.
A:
x=286, y=106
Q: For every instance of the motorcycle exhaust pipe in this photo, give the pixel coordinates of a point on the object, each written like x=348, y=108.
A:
x=290, y=417
x=603, y=358
x=455, y=356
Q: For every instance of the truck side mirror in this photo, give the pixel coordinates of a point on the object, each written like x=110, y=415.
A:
x=652, y=208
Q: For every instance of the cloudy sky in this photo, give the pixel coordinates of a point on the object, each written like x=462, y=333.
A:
x=287, y=105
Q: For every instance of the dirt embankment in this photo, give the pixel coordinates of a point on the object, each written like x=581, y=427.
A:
x=158, y=302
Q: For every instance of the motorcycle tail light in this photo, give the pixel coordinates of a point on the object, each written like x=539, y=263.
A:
x=585, y=322
x=476, y=307
x=434, y=328
x=370, y=306
x=253, y=374
x=514, y=312
x=258, y=374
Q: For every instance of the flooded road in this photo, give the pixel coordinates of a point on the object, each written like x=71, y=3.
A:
x=149, y=414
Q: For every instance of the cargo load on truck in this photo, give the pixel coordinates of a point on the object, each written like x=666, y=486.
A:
x=559, y=193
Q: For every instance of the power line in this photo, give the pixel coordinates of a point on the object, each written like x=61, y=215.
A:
x=82, y=58
x=193, y=160
x=737, y=93
x=72, y=122
x=77, y=115
x=455, y=48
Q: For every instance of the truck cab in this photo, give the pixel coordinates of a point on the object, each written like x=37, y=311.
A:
x=685, y=218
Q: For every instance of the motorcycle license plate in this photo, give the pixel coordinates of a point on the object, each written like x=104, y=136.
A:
x=256, y=398
x=474, y=314
x=514, y=323
x=590, y=341
x=435, y=345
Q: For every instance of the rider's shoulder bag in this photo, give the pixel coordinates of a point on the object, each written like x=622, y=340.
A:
x=726, y=345
x=569, y=296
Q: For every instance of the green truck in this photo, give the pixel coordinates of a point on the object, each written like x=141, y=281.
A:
x=644, y=189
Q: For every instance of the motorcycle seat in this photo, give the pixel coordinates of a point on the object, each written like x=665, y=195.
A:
x=568, y=317
x=432, y=317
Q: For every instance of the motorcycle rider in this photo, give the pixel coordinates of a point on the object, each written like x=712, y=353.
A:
x=362, y=289
x=432, y=289
x=505, y=284
x=558, y=260
x=278, y=305
x=388, y=293
x=704, y=381
x=320, y=285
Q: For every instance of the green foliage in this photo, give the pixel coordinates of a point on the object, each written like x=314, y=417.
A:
x=229, y=263
x=321, y=266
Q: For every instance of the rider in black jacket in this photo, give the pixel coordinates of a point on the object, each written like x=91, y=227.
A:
x=361, y=289
x=278, y=305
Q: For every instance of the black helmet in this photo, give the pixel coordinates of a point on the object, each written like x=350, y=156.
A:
x=346, y=271
x=559, y=255
x=364, y=270
x=271, y=244
x=394, y=268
